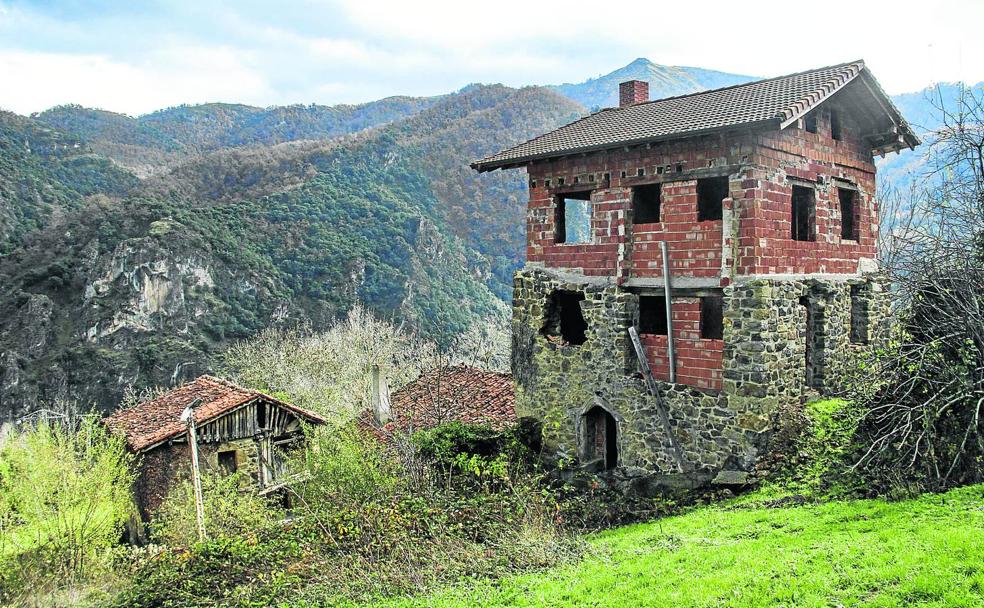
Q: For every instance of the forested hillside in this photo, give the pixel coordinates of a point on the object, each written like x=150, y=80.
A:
x=134, y=249
x=154, y=142
x=142, y=285
x=42, y=172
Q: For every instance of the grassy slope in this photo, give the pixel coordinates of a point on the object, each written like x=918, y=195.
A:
x=928, y=551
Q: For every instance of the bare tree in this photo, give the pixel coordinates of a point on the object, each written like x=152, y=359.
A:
x=331, y=371
x=923, y=396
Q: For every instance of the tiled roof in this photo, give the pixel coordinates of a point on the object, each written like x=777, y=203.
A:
x=147, y=424
x=777, y=100
x=458, y=393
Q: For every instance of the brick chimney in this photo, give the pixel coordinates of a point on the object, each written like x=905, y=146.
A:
x=632, y=92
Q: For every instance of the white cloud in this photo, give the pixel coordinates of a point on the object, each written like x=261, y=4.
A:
x=192, y=51
x=910, y=44
x=35, y=81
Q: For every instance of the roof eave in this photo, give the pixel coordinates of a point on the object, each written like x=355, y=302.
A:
x=483, y=167
x=310, y=416
x=808, y=107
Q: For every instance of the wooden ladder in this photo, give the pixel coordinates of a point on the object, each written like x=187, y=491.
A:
x=664, y=413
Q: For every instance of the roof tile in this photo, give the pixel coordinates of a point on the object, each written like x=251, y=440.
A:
x=775, y=99
x=151, y=422
x=458, y=393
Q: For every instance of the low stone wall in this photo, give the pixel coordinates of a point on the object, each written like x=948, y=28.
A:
x=169, y=464
x=784, y=340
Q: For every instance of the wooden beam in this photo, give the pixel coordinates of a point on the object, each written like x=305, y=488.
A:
x=664, y=415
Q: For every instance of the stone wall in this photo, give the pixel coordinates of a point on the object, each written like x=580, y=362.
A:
x=722, y=432
x=168, y=464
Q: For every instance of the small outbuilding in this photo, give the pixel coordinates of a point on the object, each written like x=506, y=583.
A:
x=238, y=429
x=458, y=393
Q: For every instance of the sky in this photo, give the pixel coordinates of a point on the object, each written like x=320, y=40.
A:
x=138, y=56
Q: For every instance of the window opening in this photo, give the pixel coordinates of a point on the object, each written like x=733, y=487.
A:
x=711, y=192
x=835, y=125
x=227, y=461
x=812, y=342
x=652, y=315
x=849, y=212
x=564, y=323
x=712, y=318
x=573, y=217
x=859, y=316
x=810, y=122
x=646, y=204
x=261, y=415
x=803, y=207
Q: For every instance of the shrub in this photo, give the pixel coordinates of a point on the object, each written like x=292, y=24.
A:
x=230, y=512
x=343, y=468
x=366, y=520
x=479, y=449
x=828, y=445
x=64, y=498
x=922, y=396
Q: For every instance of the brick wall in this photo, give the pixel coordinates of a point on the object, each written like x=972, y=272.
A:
x=699, y=361
x=694, y=247
x=797, y=157
x=614, y=251
x=600, y=258
x=763, y=168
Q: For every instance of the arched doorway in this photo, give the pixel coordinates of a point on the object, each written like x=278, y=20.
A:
x=600, y=439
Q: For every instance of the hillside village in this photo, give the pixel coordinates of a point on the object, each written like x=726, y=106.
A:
x=418, y=351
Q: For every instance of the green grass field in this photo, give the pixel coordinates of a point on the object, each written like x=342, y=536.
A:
x=927, y=552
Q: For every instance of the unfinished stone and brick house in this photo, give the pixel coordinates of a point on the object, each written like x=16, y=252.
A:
x=238, y=429
x=735, y=231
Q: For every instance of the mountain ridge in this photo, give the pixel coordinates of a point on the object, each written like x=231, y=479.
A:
x=664, y=81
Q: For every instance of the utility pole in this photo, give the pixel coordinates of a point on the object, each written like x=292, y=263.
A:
x=188, y=417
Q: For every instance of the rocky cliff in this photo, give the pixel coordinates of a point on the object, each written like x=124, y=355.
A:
x=146, y=285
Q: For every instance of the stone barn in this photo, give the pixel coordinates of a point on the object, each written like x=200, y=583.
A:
x=238, y=429
x=734, y=232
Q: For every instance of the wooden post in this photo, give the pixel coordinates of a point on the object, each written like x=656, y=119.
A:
x=380, y=397
x=664, y=414
x=188, y=416
x=667, y=290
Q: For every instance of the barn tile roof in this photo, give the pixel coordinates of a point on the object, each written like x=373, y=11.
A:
x=775, y=100
x=152, y=422
x=458, y=393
